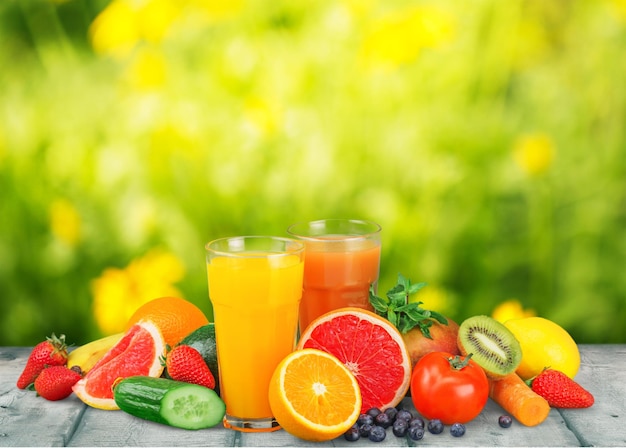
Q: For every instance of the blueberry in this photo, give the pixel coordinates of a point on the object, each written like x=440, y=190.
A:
x=373, y=412
x=457, y=429
x=377, y=434
x=383, y=420
x=505, y=421
x=352, y=434
x=365, y=429
x=365, y=418
x=392, y=413
x=400, y=427
x=404, y=414
x=415, y=432
x=435, y=426
x=417, y=422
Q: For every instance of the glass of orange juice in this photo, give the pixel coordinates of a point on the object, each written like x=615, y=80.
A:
x=255, y=287
x=342, y=260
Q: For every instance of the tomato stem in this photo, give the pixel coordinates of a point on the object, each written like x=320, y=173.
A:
x=458, y=362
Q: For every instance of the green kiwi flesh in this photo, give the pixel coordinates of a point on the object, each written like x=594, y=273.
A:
x=492, y=345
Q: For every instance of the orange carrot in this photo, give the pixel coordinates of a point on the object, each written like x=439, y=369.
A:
x=519, y=400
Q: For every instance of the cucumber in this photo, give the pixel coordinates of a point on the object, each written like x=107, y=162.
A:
x=169, y=402
x=203, y=340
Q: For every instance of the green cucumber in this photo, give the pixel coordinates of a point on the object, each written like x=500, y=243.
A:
x=203, y=340
x=169, y=402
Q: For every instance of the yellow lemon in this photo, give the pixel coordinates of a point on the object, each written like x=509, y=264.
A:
x=544, y=344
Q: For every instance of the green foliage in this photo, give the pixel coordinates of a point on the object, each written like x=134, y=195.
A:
x=486, y=137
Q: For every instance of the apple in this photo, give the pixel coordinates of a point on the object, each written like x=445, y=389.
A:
x=444, y=339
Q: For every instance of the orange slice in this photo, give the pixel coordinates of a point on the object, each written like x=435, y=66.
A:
x=137, y=353
x=313, y=396
x=370, y=347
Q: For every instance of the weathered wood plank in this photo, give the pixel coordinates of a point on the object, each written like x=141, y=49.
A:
x=116, y=428
x=25, y=418
x=28, y=420
x=603, y=373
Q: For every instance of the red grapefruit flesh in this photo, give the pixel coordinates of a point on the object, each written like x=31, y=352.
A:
x=137, y=353
x=372, y=349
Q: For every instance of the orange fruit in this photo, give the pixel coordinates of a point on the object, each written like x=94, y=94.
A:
x=544, y=344
x=314, y=396
x=175, y=317
x=137, y=353
x=370, y=347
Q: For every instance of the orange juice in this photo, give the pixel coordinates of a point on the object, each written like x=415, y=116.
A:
x=255, y=299
x=338, y=275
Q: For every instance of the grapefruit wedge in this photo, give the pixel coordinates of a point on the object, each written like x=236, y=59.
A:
x=370, y=347
x=137, y=353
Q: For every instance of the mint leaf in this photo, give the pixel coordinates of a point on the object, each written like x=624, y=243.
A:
x=405, y=315
x=439, y=317
x=380, y=305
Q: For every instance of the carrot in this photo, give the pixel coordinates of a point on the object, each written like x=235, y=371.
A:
x=516, y=398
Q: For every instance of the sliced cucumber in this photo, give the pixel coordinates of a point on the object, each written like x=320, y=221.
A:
x=169, y=402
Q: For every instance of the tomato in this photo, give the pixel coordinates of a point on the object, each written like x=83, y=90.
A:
x=451, y=388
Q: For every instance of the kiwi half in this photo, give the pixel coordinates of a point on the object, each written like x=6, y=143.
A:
x=492, y=345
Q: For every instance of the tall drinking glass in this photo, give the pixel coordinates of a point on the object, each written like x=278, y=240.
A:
x=342, y=260
x=255, y=286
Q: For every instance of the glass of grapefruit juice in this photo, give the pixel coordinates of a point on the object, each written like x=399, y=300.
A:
x=342, y=260
x=255, y=287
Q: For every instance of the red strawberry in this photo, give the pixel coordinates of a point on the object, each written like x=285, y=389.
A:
x=51, y=352
x=185, y=363
x=560, y=390
x=55, y=383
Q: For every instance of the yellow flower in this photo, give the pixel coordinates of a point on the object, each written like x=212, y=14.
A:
x=147, y=70
x=534, y=153
x=65, y=222
x=511, y=309
x=124, y=23
x=215, y=10
x=119, y=292
x=398, y=38
x=115, y=30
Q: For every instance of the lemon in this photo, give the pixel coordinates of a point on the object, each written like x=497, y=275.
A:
x=544, y=344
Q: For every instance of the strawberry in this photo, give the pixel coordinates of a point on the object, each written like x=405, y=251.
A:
x=185, y=363
x=560, y=390
x=55, y=383
x=51, y=352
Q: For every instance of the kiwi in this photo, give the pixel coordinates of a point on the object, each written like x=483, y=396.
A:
x=492, y=345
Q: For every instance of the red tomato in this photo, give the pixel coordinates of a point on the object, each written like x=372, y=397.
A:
x=451, y=388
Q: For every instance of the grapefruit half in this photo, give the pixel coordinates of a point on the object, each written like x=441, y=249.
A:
x=370, y=347
x=137, y=353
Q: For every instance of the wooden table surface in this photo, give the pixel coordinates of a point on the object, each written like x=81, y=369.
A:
x=28, y=420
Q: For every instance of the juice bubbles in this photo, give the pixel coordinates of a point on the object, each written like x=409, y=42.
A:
x=255, y=295
x=342, y=260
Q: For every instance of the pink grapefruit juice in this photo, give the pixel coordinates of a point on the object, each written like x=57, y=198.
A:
x=255, y=304
x=338, y=275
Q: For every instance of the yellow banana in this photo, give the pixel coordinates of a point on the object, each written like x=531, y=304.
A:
x=87, y=355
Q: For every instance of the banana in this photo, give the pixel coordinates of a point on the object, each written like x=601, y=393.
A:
x=87, y=355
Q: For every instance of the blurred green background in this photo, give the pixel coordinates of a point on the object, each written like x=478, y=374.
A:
x=488, y=138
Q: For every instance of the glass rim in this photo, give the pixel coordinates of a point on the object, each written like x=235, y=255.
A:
x=292, y=246
x=374, y=229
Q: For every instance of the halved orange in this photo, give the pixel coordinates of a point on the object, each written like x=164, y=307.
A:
x=314, y=396
x=175, y=317
x=137, y=353
x=370, y=347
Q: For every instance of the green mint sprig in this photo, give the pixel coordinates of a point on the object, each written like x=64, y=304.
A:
x=404, y=315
